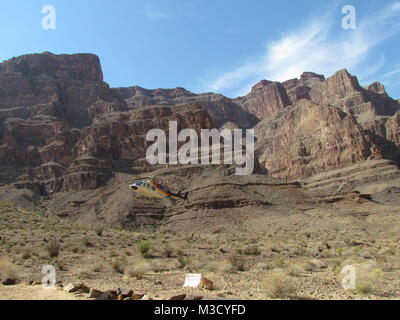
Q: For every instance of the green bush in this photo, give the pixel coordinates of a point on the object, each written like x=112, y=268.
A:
x=143, y=246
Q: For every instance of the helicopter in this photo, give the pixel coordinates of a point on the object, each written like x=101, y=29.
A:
x=151, y=189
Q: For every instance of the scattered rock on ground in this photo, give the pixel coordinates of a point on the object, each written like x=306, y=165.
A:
x=9, y=282
x=178, y=297
x=206, y=284
x=94, y=293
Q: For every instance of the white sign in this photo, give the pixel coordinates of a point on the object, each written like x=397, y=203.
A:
x=192, y=280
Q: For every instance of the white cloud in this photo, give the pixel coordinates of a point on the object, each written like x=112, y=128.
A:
x=396, y=6
x=316, y=47
x=391, y=73
x=155, y=13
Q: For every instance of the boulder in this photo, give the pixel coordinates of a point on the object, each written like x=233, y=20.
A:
x=71, y=288
x=206, y=284
x=178, y=297
x=125, y=293
x=9, y=282
x=93, y=293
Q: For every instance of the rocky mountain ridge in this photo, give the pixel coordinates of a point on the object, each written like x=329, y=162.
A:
x=300, y=118
x=64, y=131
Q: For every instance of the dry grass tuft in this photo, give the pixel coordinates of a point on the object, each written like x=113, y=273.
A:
x=279, y=285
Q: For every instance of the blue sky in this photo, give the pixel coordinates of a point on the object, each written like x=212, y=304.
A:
x=221, y=46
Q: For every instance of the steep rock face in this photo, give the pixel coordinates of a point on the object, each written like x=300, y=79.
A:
x=378, y=87
x=115, y=142
x=300, y=88
x=371, y=106
x=67, y=87
x=122, y=136
x=220, y=108
x=265, y=99
x=72, y=67
x=31, y=143
x=340, y=85
x=343, y=90
x=308, y=138
x=392, y=130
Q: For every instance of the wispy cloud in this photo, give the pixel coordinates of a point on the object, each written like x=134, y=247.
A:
x=317, y=47
x=155, y=14
x=391, y=73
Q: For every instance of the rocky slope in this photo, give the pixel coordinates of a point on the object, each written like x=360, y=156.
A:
x=70, y=143
x=309, y=138
x=63, y=129
x=347, y=124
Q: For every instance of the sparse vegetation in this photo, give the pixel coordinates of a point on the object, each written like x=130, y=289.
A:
x=86, y=241
x=99, y=230
x=119, y=265
x=168, y=251
x=137, y=270
x=117, y=258
x=53, y=248
x=143, y=246
x=252, y=250
x=8, y=270
x=237, y=261
x=279, y=285
x=182, y=259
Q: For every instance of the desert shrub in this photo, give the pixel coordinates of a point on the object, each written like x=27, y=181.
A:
x=97, y=266
x=365, y=287
x=281, y=263
x=137, y=270
x=182, y=259
x=252, y=250
x=99, y=230
x=212, y=267
x=315, y=265
x=237, y=261
x=113, y=254
x=53, y=248
x=264, y=266
x=158, y=267
x=86, y=242
x=128, y=253
x=60, y=266
x=118, y=265
x=339, y=251
x=143, y=246
x=226, y=267
x=26, y=255
x=279, y=285
x=8, y=270
x=167, y=251
x=295, y=270
x=368, y=279
x=307, y=234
